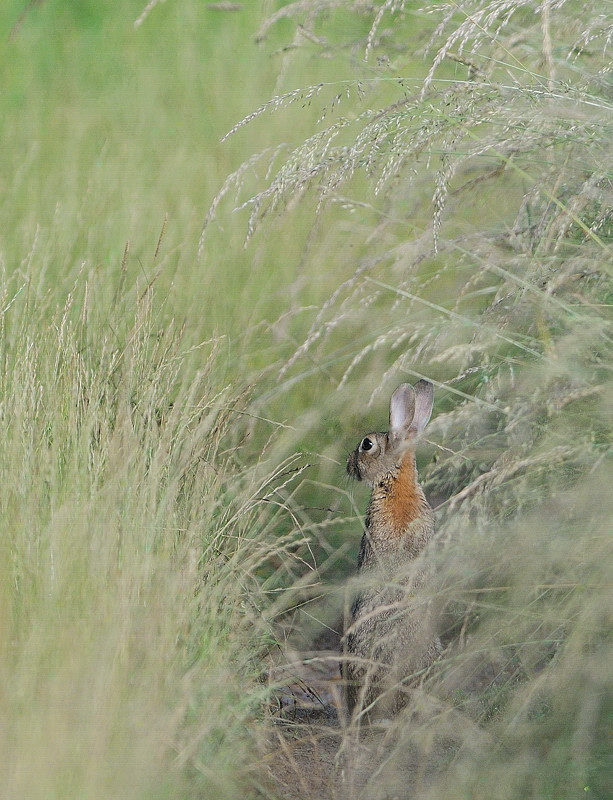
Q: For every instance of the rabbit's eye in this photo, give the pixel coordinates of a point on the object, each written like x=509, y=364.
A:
x=366, y=444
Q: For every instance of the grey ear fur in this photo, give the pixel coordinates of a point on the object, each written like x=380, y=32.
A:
x=424, y=399
x=402, y=411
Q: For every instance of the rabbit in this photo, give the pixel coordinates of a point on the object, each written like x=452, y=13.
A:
x=386, y=641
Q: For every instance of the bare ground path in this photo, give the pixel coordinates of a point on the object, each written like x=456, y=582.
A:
x=307, y=734
x=313, y=754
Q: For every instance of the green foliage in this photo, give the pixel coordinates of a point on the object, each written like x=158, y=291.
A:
x=427, y=193
x=133, y=623
x=131, y=541
x=479, y=190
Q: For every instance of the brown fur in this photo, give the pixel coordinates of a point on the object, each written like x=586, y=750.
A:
x=390, y=636
x=398, y=501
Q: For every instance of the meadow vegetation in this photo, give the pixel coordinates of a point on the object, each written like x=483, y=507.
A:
x=228, y=232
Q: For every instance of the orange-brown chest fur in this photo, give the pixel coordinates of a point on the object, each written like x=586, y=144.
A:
x=405, y=500
x=396, y=501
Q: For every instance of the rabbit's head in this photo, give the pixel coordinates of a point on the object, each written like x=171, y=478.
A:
x=379, y=454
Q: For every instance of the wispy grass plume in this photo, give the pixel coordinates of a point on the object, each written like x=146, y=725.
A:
x=480, y=203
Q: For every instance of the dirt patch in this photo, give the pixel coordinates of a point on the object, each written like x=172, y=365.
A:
x=306, y=735
x=314, y=753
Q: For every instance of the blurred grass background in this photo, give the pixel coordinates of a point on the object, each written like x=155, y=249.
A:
x=176, y=407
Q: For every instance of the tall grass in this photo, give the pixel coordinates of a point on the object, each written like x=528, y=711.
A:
x=136, y=537
x=480, y=189
x=157, y=524
x=131, y=617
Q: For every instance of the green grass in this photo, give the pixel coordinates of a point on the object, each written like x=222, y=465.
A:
x=132, y=527
x=175, y=411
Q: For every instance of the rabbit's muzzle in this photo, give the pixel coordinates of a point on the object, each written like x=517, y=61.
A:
x=353, y=467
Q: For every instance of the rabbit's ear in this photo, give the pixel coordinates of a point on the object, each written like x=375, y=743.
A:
x=402, y=410
x=424, y=398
